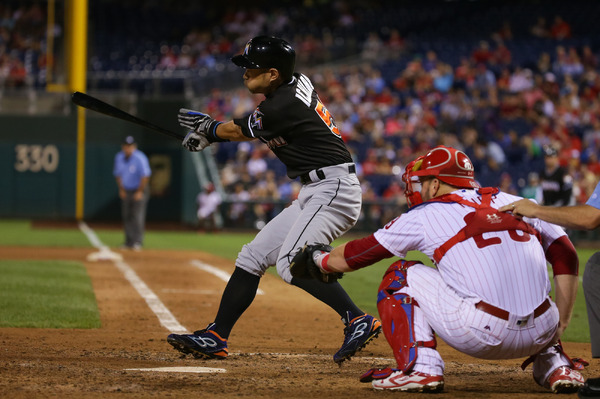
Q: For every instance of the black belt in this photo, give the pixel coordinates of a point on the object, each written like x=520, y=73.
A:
x=503, y=314
x=305, y=177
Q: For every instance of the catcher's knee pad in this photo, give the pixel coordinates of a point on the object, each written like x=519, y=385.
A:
x=396, y=311
x=394, y=277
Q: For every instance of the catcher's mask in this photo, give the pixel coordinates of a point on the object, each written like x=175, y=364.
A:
x=444, y=163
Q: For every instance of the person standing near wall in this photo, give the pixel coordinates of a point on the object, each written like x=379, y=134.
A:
x=132, y=173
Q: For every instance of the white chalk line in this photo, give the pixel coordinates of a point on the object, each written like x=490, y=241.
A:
x=165, y=317
x=310, y=355
x=190, y=292
x=217, y=272
x=181, y=370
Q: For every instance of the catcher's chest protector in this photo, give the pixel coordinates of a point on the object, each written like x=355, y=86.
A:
x=485, y=219
x=397, y=316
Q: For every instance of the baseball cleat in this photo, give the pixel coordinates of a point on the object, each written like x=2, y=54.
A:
x=202, y=344
x=357, y=334
x=565, y=380
x=412, y=382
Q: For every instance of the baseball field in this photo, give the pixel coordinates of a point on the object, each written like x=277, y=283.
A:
x=72, y=326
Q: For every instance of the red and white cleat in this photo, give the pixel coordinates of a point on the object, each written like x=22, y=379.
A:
x=565, y=380
x=412, y=382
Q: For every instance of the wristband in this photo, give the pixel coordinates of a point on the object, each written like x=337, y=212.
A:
x=324, y=266
x=321, y=261
x=211, y=133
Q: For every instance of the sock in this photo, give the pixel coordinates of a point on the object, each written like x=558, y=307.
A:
x=332, y=295
x=237, y=297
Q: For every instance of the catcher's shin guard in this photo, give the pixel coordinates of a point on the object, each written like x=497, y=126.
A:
x=396, y=311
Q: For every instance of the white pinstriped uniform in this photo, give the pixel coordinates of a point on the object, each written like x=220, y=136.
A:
x=510, y=275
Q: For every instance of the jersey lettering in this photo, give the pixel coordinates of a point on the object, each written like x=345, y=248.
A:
x=387, y=226
x=327, y=118
x=304, y=90
x=276, y=142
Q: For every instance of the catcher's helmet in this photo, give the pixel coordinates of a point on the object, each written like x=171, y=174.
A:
x=446, y=164
x=268, y=52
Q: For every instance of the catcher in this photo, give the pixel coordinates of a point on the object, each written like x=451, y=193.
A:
x=487, y=296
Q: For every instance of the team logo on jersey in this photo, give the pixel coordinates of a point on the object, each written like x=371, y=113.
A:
x=493, y=218
x=256, y=120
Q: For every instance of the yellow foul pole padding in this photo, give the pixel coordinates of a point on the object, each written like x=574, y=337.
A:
x=77, y=16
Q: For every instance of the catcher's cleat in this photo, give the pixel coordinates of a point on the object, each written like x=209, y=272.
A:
x=413, y=382
x=202, y=344
x=357, y=334
x=565, y=380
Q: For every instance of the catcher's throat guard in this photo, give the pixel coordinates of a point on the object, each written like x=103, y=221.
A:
x=444, y=163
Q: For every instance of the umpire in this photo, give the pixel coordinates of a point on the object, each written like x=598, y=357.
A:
x=132, y=173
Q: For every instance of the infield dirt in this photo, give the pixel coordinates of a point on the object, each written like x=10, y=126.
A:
x=282, y=346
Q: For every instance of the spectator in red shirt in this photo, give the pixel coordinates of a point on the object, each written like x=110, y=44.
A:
x=560, y=29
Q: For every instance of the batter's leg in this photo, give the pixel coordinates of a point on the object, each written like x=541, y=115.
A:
x=333, y=295
x=237, y=297
x=252, y=262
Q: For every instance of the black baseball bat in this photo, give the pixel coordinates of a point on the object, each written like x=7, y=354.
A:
x=89, y=102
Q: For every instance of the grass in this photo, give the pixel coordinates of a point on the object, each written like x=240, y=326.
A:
x=361, y=285
x=46, y=294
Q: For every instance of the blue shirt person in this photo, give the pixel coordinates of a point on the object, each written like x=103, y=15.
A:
x=132, y=173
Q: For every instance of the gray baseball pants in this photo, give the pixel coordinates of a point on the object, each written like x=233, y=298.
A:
x=325, y=209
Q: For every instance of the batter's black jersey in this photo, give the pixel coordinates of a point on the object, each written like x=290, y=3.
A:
x=297, y=127
x=557, y=187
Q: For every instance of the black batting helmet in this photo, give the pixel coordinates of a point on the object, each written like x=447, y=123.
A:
x=268, y=52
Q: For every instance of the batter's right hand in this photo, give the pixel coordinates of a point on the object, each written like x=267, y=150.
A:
x=191, y=119
x=195, y=142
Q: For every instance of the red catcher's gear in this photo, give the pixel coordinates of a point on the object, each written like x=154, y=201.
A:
x=446, y=164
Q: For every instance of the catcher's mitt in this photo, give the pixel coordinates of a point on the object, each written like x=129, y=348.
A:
x=303, y=265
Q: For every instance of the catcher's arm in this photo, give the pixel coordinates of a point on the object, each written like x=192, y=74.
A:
x=320, y=260
x=310, y=262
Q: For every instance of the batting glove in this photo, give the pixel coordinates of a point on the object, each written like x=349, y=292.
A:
x=195, y=142
x=200, y=123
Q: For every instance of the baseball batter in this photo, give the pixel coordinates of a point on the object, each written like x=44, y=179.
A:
x=488, y=296
x=294, y=123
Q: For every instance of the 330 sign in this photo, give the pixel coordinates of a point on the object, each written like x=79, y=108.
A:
x=36, y=158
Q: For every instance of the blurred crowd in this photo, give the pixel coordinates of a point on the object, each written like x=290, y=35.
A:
x=500, y=114
x=392, y=101
x=22, y=42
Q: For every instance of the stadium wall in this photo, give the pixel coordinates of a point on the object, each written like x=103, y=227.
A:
x=38, y=160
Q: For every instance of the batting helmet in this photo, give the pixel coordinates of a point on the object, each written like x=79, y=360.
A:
x=446, y=164
x=268, y=52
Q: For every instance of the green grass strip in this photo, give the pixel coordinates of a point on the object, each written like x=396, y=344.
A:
x=21, y=233
x=46, y=294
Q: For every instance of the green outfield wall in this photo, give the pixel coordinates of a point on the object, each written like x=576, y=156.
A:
x=38, y=161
